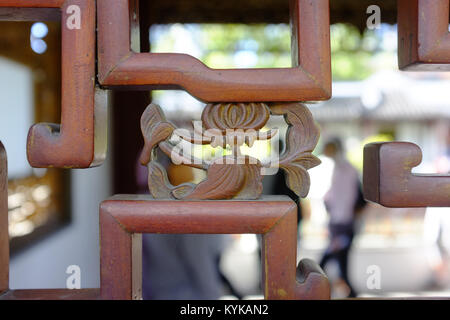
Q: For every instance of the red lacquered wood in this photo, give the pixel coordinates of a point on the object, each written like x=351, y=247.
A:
x=52, y=294
x=423, y=35
x=280, y=278
x=121, y=217
x=388, y=180
x=72, y=144
x=32, y=3
x=4, y=239
x=34, y=294
x=309, y=79
x=120, y=260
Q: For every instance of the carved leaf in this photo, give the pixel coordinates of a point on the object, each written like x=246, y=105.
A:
x=158, y=182
x=307, y=160
x=301, y=139
x=226, y=181
x=297, y=179
x=302, y=135
x=155, y=129
x=253, y=183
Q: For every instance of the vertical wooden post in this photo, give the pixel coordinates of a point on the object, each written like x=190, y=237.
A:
x=4, y=238
x=279, y=254
x=121, y=260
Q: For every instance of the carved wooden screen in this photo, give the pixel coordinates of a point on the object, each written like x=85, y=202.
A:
x=52, y=144
x=424, y=45
x=80, y=140
x=239, y=103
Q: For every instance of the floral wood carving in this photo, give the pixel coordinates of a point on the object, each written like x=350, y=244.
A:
x=234, y=176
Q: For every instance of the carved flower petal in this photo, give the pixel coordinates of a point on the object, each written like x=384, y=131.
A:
x=307, y=160
x=297, y=179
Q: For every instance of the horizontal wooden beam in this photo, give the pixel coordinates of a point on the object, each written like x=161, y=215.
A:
x=52, y=294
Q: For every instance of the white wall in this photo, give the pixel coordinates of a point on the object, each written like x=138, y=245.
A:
x=44, y=264
x=16, y=114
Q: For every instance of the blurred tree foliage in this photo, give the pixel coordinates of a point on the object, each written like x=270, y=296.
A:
x=268, y=46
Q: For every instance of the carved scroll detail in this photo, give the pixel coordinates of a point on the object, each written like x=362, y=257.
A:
x=233, y=176
x=301, y=139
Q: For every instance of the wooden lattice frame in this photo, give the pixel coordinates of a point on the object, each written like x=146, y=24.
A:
x=123, y=218
x=423, y=35
x=309, y=79
x=424, y=44
x=5, y=292
x=80, y=140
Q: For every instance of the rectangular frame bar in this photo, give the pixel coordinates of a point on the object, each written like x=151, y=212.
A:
x=74, y=143
x=309, y=79
x=123, y=218
x=33, y=294
x=4, y=237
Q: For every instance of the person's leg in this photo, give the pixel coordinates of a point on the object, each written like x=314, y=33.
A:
x=342, y=259
x=329, y=251
x=326, y=257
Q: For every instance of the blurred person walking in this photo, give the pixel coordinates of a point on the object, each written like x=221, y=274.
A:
x=340, y=201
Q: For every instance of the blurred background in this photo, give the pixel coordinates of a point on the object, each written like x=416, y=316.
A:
x=53, y=213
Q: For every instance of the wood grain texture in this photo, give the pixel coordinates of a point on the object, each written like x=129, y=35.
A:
x=52, y=294
x=423, y=35
x=120, y=258
x=4, y=238
x=72, y=144
x=124, y=215
x=308, y=79
x=387, y=177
